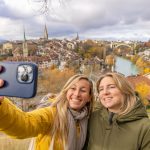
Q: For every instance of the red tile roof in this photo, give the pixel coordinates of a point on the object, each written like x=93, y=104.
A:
x=134, y=80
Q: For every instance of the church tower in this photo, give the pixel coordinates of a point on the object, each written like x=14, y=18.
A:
x=45, y=33
x=25, y=46
x=77, y=37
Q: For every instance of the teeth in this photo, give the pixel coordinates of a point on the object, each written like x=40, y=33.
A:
x=108, y=98
x=75, y=100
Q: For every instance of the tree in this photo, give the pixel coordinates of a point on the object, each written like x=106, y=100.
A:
x=143, y=89
x=90, y=49
x=44, y=6
x=140, y=63
x=53, y=80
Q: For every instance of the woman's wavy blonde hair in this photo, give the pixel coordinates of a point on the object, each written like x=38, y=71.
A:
x=125, y=87
x=61, y=103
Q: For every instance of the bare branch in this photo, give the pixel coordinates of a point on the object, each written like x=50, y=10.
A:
x=44, y=6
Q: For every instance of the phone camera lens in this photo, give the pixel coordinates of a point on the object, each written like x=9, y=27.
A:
x=25, y=77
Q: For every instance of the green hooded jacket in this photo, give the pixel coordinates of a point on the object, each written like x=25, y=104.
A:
x=128, y=132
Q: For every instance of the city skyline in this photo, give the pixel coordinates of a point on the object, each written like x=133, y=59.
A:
x=94, y=19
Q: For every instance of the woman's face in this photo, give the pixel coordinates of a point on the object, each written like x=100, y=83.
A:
x=109, y=95
x=79, y=94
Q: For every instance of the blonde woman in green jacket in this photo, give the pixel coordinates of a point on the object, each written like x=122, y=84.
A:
x=121, y=121
x=60, y=126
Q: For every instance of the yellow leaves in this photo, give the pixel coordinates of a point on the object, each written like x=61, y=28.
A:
x=146, y=70
x=91, y=49
x=53, y=80
x=143, y=65
x=143, y=89
x=140, y=62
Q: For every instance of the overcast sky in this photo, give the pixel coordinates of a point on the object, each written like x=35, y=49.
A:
x=94, y=19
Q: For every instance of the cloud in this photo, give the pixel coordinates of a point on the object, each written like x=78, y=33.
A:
x=91, y=18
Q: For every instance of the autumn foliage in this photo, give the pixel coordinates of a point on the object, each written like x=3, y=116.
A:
x=141, y=84
x=143, y=89
x=52, y=80
x=90, y=49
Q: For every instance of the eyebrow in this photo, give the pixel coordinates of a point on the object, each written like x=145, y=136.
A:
x=75, y=86
x=108, y=85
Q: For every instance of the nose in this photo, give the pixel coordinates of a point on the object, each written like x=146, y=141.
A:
x=77, y=92
x=105, y=91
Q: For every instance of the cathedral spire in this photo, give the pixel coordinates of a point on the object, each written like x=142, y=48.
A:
x=25, y=45
x=77, y=37
x=24, y=34
x=45, y=33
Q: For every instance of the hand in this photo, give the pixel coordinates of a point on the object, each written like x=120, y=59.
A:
x=1, y=81
x=1, y=84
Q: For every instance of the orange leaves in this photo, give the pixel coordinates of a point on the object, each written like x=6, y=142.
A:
x=53, y=80
x=143, y=89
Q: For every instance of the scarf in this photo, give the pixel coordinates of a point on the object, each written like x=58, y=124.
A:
x=77, y=142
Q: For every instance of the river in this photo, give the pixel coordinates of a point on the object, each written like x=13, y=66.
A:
x=125, y=67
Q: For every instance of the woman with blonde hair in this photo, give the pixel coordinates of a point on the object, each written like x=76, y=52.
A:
x=121, y=122
x=62, y=125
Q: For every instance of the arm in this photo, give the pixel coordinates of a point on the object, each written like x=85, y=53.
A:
x=19, y=124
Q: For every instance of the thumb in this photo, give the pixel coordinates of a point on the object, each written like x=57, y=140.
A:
x=1, y=83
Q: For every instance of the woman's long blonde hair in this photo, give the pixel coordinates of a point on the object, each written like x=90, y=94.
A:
x=61, y=103
x=126, y=89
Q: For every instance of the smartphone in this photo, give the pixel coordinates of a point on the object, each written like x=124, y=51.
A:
x=20, y=79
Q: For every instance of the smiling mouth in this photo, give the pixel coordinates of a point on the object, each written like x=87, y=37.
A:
x=108, y=98
x=75, y=100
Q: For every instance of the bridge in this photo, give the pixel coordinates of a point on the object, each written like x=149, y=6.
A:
x=131, y=45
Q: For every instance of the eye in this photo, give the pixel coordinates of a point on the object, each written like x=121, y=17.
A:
x=100, y=89
x=112, y=86
x=73, y=88
x=82, y=90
